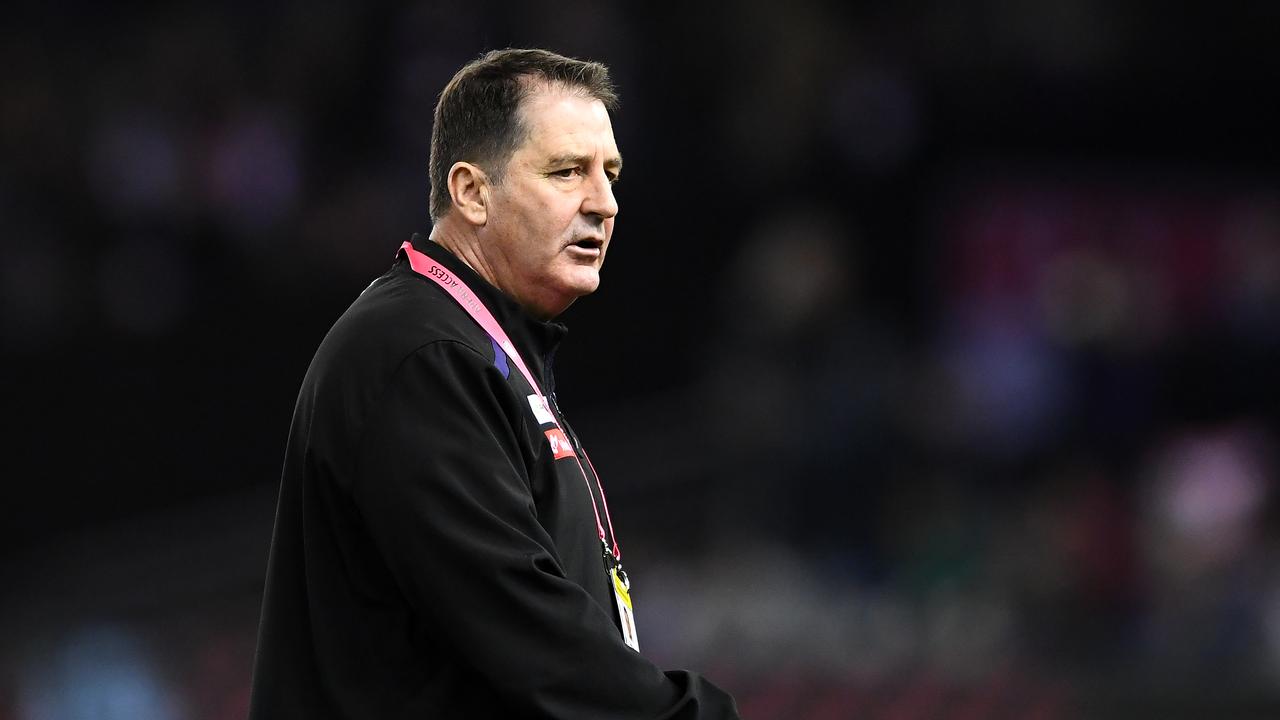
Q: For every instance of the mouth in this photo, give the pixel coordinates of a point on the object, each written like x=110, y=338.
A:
x=588, y=244
x=590, y=247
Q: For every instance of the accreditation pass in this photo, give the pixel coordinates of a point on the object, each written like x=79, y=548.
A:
x=622, y=595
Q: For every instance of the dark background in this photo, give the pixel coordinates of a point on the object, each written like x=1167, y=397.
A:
x=932, y=374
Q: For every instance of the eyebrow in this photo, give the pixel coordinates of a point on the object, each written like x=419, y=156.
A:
x=614, y=163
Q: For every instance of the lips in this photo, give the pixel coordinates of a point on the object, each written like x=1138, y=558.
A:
x=588, y=243
x=586, y=249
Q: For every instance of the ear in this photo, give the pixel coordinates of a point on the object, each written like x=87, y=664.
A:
x=469, y=189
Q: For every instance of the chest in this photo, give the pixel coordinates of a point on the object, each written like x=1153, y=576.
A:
x=567, y=494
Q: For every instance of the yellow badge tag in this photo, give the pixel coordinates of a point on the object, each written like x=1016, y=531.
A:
x=622, y=595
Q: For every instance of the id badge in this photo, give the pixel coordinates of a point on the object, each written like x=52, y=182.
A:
x=622, y=596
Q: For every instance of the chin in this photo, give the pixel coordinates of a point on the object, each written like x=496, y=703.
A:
x=582, y=282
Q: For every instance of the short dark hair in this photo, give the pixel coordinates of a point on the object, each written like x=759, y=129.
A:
x=477, y=118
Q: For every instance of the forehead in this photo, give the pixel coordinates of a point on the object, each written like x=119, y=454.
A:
x=560, y=120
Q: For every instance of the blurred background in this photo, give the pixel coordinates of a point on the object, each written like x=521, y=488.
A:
x=933, y=373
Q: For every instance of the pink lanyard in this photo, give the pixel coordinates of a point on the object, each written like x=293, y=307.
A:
x=432, y=270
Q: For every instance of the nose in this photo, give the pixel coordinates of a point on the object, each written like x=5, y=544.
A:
x=599, y=199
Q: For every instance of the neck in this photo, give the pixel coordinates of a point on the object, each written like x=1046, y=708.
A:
x=466, y=247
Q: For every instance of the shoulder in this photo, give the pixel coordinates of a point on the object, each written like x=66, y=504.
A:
x=400, y=321
x=401, y=337
x=393, y=318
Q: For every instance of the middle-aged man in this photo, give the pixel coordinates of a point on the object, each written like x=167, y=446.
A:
x=442, y=545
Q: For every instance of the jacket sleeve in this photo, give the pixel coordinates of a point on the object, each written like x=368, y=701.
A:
x=444, y=492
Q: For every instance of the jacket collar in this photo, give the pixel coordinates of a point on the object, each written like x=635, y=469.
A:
x=536, y=340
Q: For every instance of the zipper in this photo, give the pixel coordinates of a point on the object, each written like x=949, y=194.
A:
x=573, y=437
x=611, y=561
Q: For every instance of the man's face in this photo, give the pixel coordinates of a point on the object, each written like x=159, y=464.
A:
x=550, y=219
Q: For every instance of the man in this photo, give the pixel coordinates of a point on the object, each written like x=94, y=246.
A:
x=442, y=546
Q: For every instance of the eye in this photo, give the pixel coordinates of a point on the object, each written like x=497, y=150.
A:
x=566, y=172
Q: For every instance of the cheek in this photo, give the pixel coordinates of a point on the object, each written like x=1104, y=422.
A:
x=548, y=216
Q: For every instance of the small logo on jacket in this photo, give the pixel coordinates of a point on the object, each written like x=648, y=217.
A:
x=560, y=445
x=540, y=410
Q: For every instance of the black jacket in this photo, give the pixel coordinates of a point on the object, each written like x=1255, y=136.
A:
x=431, y=558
